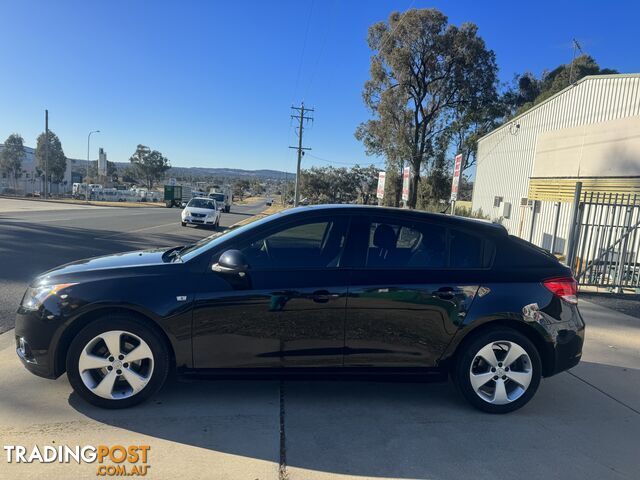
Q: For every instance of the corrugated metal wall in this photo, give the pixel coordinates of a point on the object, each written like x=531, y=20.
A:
x=506, y=155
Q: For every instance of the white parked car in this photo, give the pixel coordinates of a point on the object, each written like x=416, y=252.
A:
x=201, y=211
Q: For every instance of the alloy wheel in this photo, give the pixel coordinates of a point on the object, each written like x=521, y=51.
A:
x=116, y=364
x=501, y=372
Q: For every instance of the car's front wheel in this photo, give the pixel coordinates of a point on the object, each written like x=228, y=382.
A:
x=498, y=371
x=117, y=362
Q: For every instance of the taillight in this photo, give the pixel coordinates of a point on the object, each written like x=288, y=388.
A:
x=564, y=287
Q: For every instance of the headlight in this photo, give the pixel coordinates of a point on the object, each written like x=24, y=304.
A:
x=34, y=297
x=185, y=213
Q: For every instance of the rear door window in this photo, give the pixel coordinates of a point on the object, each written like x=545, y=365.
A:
x=406, y=244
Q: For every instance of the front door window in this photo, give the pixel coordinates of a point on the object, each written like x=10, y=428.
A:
x=315, y=244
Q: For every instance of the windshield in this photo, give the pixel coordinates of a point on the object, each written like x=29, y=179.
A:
x=202, y=203
x=217, y=238
x=219, y=197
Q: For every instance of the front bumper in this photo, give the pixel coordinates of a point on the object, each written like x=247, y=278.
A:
x=33, y=336
x=199, y=220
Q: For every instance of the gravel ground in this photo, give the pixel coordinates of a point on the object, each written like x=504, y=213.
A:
x=626, y=303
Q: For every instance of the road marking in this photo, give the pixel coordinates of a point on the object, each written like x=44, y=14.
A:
x=45, y=219
x=134, y=231
x=37, y=219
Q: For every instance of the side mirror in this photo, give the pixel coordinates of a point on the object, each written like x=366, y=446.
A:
x=232, y=261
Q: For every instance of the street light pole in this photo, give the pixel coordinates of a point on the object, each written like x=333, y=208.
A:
x=46, y=153
x=89, y=161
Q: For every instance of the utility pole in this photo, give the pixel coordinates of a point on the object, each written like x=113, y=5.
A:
x=46, y=153
x=300, y=116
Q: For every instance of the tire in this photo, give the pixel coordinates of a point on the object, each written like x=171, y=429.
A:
x=183, y=224
x=476, y=377
x=148, y=374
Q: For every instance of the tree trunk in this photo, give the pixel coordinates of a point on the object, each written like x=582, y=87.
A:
x=413, y=186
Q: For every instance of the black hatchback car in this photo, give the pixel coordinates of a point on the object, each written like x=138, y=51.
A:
x=323, y=289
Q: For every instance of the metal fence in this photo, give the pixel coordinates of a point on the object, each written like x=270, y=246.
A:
x=603, y=243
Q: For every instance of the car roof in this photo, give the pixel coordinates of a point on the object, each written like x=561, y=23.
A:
x=451, y=220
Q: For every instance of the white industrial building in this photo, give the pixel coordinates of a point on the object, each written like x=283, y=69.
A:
x=527, y=169
x=30, y=182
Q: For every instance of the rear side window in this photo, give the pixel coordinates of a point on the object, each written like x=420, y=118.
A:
x=467, y=250
x=515, y=252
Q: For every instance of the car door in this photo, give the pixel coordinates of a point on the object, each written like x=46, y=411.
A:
x=287, y=310
x=405, y=303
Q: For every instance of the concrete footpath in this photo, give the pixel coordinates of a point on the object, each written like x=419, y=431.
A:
x=584, y=424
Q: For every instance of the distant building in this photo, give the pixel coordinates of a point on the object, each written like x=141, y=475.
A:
x=29, y=181
x=527, y=169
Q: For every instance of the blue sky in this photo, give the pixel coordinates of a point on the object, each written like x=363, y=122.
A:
x=211, y=83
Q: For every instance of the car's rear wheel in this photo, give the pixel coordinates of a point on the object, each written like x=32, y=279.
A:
x=498, y=371
x=117, y=362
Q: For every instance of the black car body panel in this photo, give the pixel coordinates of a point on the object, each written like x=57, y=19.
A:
x=286, y=319
x=137, y=282
x=354, y=313
x=399, y=318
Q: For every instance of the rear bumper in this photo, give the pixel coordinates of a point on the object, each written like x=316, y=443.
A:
x=566, y=340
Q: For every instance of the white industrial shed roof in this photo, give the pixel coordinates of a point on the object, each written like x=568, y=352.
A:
x=616, y=77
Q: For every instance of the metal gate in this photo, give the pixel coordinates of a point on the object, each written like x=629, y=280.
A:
x=603, y=246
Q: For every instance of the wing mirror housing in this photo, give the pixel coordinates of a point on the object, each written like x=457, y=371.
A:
x=232, y=261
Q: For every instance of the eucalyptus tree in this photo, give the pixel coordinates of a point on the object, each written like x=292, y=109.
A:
x=12, y=156
x=423, y=72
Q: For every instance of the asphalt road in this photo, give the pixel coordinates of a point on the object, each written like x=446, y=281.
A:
x=37, y=236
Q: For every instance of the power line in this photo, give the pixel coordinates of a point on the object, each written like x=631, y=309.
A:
x=304, y=48
x=315, y=157
x=576, y=47
x=301, y=117
x=396, y=26
x=322, y=45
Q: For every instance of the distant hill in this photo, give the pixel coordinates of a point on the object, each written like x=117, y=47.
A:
x=203, y=171
x=223, y=172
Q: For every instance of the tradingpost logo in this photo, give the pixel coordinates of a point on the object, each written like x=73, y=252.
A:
x=111, y=461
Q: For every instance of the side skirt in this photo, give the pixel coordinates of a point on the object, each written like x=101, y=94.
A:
x=302, y=373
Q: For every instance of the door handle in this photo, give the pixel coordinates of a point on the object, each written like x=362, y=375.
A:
x=446, y=293
x=321, y=296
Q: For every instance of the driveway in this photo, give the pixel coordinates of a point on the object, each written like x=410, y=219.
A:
x=584, y=424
